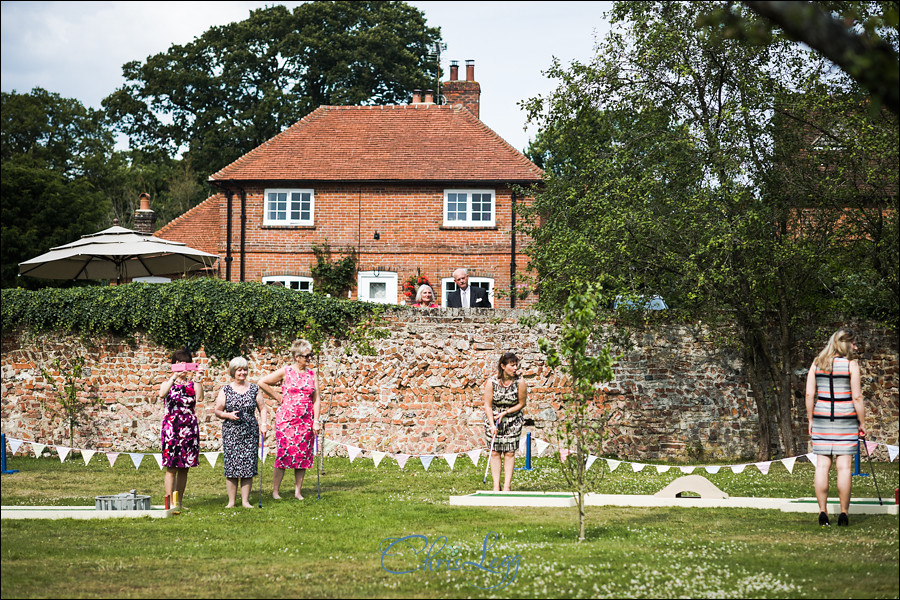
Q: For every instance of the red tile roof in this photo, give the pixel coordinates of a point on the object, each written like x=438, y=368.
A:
x=421, y=142
x=200, y=227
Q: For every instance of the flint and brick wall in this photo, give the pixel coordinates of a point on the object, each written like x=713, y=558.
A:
x=675, y=392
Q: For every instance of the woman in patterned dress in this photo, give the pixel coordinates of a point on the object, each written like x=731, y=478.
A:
x=504, y=399
x=180, y=430
x=837, y=417
x=297, y=419
x=237, y=404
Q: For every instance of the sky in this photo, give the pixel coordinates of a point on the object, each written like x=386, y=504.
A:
x=77, y=49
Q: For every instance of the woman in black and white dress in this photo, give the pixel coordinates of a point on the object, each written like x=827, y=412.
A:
x=237, y=405
x=504, y=399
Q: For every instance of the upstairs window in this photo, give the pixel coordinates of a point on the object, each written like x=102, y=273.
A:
x=469, y=208
x=289, y=207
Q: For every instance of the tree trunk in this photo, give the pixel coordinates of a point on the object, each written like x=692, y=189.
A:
x=762, y=407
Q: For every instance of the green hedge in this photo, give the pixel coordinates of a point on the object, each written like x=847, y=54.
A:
x=222, y=317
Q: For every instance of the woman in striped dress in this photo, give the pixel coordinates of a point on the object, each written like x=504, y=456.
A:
x=837, y=416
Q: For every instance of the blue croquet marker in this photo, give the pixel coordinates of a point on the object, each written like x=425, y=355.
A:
x=856, y=472
x=3, y=458
x=527, y=466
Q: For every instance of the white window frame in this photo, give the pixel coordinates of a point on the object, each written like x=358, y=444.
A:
x=291, y=282
x=289, y=200
x=152, y=279
x=392, y=286
x=448, y=286
x=469, y=221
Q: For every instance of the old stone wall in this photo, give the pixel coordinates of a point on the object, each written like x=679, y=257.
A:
x=676, y=394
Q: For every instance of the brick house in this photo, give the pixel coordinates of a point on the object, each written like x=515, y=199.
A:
x=415, y=189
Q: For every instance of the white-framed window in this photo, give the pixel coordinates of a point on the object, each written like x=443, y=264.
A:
x=152, y=279
x=377, y=286
x=302, y=284
x=470, y=208
x=448, y=286
x=289, y=207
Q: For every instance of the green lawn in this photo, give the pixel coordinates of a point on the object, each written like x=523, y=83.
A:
x=330, y=547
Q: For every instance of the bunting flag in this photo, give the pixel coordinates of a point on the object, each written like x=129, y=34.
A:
x=541, y=446
x=637, y=467
x=136, y=458
x=401, y=459
x=892, y=452
x=426, y=460
x=38, y=449
x=451, y=459
x=87, y=455
x=158, y=458
x=789, y=464
x=112, y=456
x=564, y=454
x=14, y=445
x=687, y=470
x=763, y=466
x=211, y=458
x=474, y=455
x=870, y=446
x=712, y=469
x=329, y=445
x=353, y=452
x=812, y=458
x=612, y=464
x=590, y=461
x=377, y=456
x=63, y=452
x=738, y=468
x=662, y=468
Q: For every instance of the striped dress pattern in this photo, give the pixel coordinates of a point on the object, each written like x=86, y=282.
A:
x=835, y=429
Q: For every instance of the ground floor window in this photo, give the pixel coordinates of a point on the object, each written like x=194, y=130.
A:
x=377, y=286
x=302, y=284
x=448, y=286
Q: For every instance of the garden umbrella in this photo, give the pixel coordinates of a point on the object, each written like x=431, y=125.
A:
x=117, y=253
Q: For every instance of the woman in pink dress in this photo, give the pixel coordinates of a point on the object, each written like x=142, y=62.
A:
x=297, y=419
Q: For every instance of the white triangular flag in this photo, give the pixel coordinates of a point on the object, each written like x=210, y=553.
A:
x=158, y=458
x=136, y=458
x=789, y=463
x=564, y=454
x=14, y=445
x=738, y=468
x=812, y=458
x=63, y=452
x=211, y=458
x=637, y=467
x=401, y=459
x=377, y=456
x=87, y=455
x=662, y=468
x=712, y=468
x=590, y=461
x=687, y=470
x=474, y=455
x=329, y=445
x=541, y=446
x=763, y=466
x=871, y=446
x=451, y=459
x=38, y=449
x=353, y=452
x=426, y=460
x=892, y=452
x=612, y=464
x=111, y=457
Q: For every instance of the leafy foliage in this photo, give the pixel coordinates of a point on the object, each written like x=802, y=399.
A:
x=687, y=165
x=333, y=277
x=67, y=394
x=224, y=318
x=237, y=85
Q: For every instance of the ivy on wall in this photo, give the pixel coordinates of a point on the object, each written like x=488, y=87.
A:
x=224, y=318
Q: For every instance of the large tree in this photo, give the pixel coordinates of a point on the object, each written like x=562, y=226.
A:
x=238, y=85
x=686, y=164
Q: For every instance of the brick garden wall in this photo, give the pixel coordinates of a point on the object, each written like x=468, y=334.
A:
x=674, y=393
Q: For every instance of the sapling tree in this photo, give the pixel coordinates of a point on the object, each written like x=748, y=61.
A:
x=67, y=394
x=580, y=354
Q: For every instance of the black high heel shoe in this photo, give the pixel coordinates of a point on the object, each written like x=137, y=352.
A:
x=843, y=520
x=823, y=520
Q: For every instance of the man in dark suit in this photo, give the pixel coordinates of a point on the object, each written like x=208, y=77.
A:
x=467, y=296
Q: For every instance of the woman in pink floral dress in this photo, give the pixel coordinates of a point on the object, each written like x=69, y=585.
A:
x=180, y=431
x=297, y=419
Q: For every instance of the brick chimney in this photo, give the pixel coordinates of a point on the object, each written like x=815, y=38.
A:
x=144, y=217
x=468, y=92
